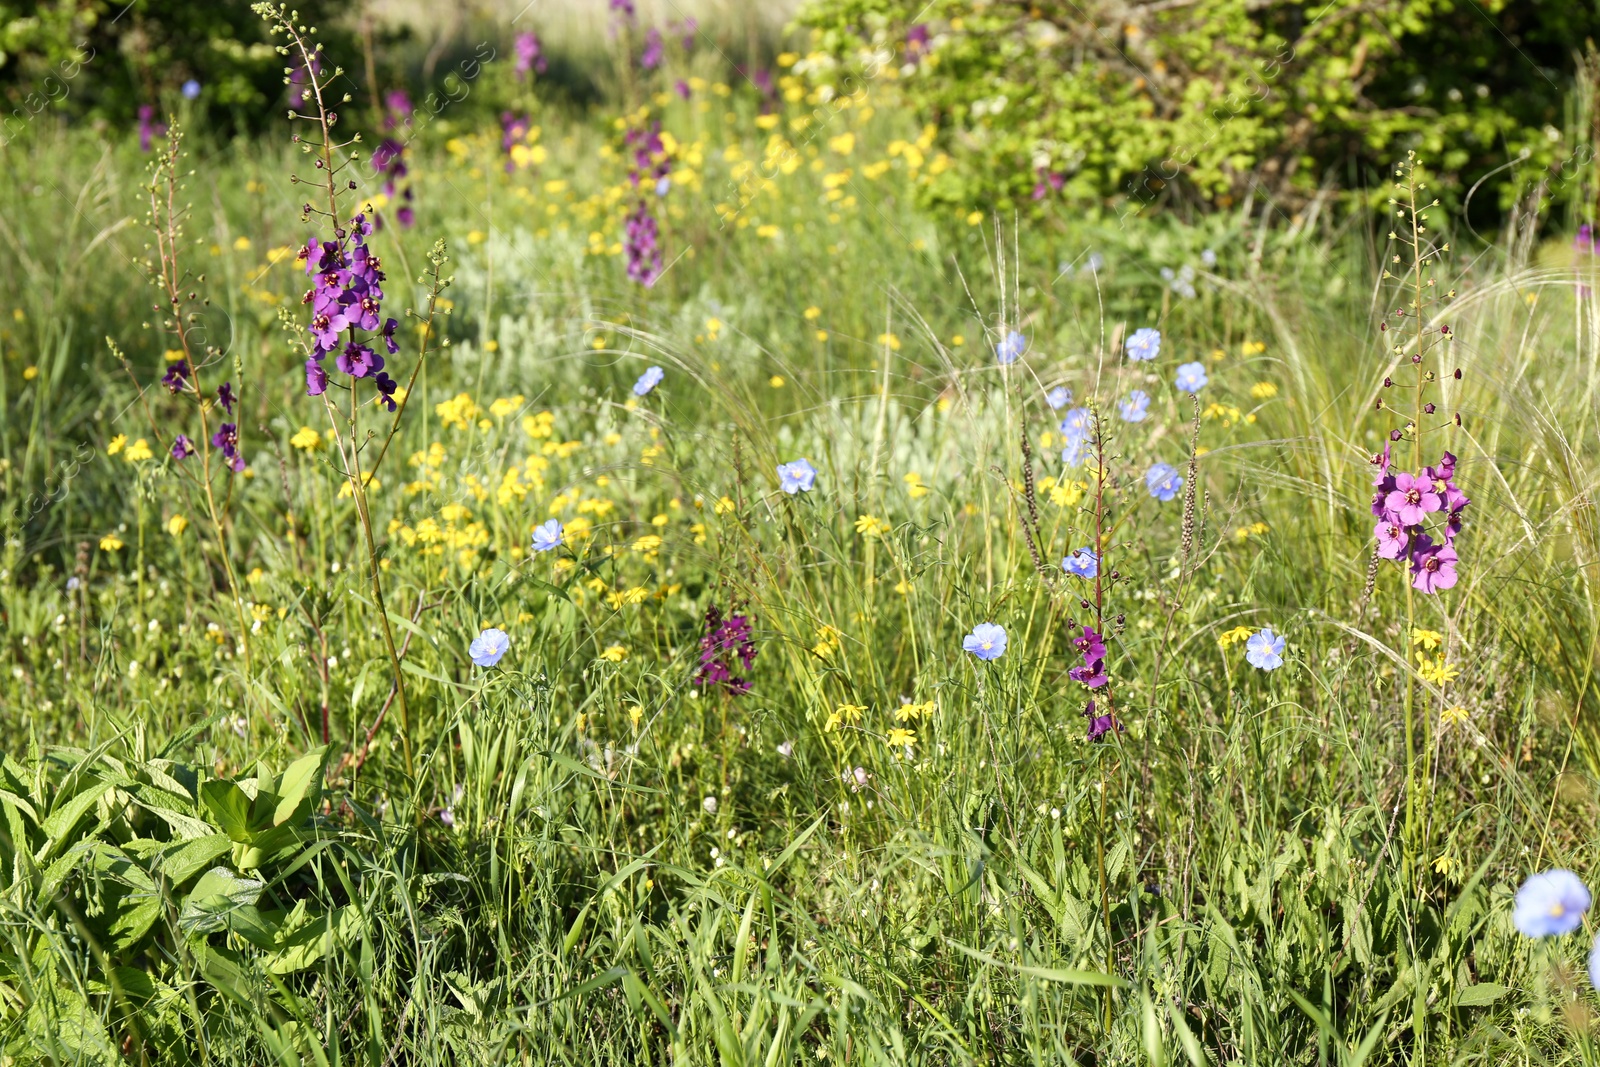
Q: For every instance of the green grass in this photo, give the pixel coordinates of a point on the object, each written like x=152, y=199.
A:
x=587, y=902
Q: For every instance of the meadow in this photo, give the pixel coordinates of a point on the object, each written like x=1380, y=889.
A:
x=737, y=613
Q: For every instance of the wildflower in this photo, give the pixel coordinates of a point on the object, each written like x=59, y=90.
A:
x=1392, y=540
x=709, y=805
x=850, y=712
x=786, y=749
x=138, y=452
x=316, y=378
x=1010, y=348
x=796, y=476
x=1076, y=428
x=1135, y=407
x=1145, y=344
x=1100, y=725
x=914, y=486
x=176, y=525
x=175, y=376
x=1433, y=567
x=110, y=543
x=1058, y=398
x=1232, y=637
x=1263, y=390
x=529, y=56
x=901, y=735
x=306, y=439
x=856, y=778
x=871, y=526
x=226, y=439
x=487, y=648
x=149, y=128
x=644, y=256
x=1264, y=650
x=1550, y=903
x=1191, y=378
x=725, y=642
x=182, y=447
x=1163, y=481
x=1093, y=648
x=648, y=381
x=1594, y=962
x=191, y=90
x=987, y=641
x=1453, y=716
x=1083, y=563
x=547, y=536
x=116, y=444
x=613, y=653
x=1411, y=500
x=1436, y=671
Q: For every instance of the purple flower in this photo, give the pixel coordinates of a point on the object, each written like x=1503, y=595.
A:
x=182, y=447
x=1163, y=481
x=987, y=641
x=1392, y=540
x=149, y=128
x=227, y=439
x=1100, y=725
x=175, y=377
x=916, y=42
x=653, y=52
x=682, y=86
x=387, y=387
x=316, y=378
x=529, y=56
x=1049, y=182
x=1145, y=344
x=1093, y=648
x=728, y=645
x=488, y=647
x=358, y=361
x=1583, y=244
x=397, y=104
x=1135, y=407
x=639, y=242
x=797, y=476
x=1433, y=567
x=1411, y=499
x=226, y=398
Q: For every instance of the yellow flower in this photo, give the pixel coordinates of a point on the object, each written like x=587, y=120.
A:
x=776, y=381
x=1436, y=671
x=1068, y=493
x=1234, y=636
x=647, y=544
x=110, y=543
x=659, y=520
x=137, y=452
x=871, y=526
x=367, y=480
x=635, y=714
x=1453, y=716
x=899, y=736
x=827, y=641
x=812, y=313
x=724, y=505
x=851, y=712
x=306, y=439
x=957, y=341
x=614, y=654
x=843, y=144
x=1255, y=529
x=176, y=525
x=1264, y=390
x=914, y=486
x=116, y=444
x=889, y=341
x=1252, y=348
x=822, y=335
x=699, y=531
x=459, y=411
x=1428, y=639
x=907, y=712
x=29, y=373
x=505, y=406
x=974, y=218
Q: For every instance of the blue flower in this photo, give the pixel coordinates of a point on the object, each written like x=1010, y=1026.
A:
x=1264, y=650
x=191, y=90
x=1058, y=398
x=1135, y=407
x=663, y=186
x=1551, y=903
x=648, y=381
x=489, y=646
x=1084, y=563
x=1009, y=349
x=1073, y=454
x=987, y=641
x=547, y=536
x=1163, y=481
x=1077, y=423
x=796, y=476
x=1191, y=378
x=1144, y=344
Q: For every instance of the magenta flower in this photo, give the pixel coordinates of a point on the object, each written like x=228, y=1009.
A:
x=1433, y=567
x=1411, y=500
x=1100, y=725
x=227, y=440
x=1392, y=540
x=316, y=378
x=728, y=645
x=174, y=378
x=182, y=447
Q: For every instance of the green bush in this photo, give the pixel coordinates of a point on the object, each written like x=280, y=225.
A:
x=1204, y=103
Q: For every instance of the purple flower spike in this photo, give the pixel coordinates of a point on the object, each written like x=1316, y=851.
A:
x=728, y=645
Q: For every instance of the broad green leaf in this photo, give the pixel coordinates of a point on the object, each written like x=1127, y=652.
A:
x=1477, y=996
x=301, y=782
x=218, y=892
x=229, y=806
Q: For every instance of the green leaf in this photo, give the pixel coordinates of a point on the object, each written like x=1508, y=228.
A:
x=218, y=892
x=1477, y=996
x=229, y=806
x=302, y=784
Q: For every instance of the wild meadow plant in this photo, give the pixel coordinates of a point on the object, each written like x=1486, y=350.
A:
x=347, y=320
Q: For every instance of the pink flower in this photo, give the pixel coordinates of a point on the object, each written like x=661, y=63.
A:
x=1411, y=500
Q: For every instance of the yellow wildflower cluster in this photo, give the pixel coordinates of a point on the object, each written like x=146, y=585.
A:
x=1227, y=414
x=827, y=642
x=1436, y=671
x=915, y=487
x=459, y=412
x=1228, y=638
x=1065, y=493
x=908, y=711
x=844, y=713
x=871, y=526
x=1254, y=529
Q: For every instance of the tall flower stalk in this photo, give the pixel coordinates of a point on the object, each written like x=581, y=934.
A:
x=1419, y=511
x=346, y=319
